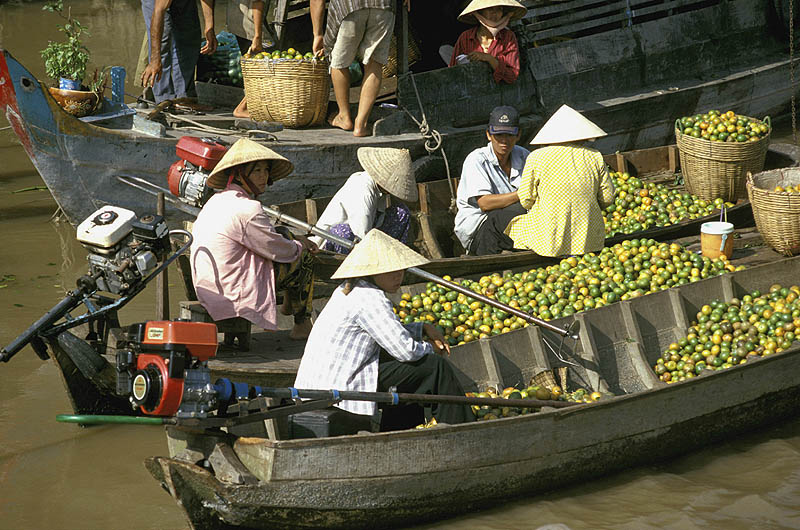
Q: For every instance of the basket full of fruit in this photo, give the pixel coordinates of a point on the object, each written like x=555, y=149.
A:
x=775, y=197
x=717, y=149
x=286, y=87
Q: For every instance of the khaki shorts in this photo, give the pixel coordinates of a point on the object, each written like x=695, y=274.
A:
x=366, y=34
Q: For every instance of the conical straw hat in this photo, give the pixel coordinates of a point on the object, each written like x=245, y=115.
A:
x=244, y=151
x=391, y=170
x=375, y=254
x=468, y=15
x=567, y=125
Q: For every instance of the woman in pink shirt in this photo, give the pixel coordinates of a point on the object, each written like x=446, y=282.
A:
x=239, y=260
x=490, y=41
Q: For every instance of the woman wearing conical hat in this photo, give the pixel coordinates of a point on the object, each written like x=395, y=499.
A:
x=361, y=203
x=239, y=260
x=343, y=351
x=565, y=186
x=491, y=41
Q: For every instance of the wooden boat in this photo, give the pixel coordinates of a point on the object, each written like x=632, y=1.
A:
x=624, y=64
x=401, y=478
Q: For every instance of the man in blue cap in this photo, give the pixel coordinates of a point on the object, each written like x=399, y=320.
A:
x=487, y=193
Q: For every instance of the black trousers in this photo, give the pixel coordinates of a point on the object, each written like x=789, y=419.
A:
x=490, y=237
x=432, y=374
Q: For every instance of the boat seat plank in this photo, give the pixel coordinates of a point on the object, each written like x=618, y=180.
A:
x=636, y=346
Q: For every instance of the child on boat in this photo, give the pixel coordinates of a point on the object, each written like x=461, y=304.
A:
x=343, y=351
x=490, y=41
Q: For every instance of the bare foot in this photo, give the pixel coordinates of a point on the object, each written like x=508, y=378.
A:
x=361, y=132
x=301, y=331
x=342, y=122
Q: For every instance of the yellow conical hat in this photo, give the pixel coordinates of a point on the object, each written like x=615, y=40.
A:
x=567, y=125
x=244, y=151
x=468, y=15
x=375, y=254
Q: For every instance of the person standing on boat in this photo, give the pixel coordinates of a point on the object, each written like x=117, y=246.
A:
x=343, y=351
x=490, y=41
x=174, y=30
x=487, y=192
x=565, y=186
x=355, y=28
x=239, y=260
x=361, y=204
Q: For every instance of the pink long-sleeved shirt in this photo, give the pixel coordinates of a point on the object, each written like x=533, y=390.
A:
x=232, y=253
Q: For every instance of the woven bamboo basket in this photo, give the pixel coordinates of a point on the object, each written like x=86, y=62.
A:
x=777, y=214
x=719, y=169
x=289, y=91
x=414, y=55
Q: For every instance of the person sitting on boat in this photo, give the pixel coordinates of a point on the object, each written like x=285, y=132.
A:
x=487, y=192
x=174, y=30
x=355, y=28
x=239, y=260
x=343, y=351
x=361, y=204
x=490, y=41
x=565, y=186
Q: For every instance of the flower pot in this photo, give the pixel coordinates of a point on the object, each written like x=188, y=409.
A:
x=68, y=84
x=79, y=103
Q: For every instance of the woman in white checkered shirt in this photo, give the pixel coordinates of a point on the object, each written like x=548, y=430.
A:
x=343, y=351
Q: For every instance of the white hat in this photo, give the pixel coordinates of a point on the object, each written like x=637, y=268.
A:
x=244, y=151
x=468, y=15
x=567, y=125
x=390, y=168
x=375, y=254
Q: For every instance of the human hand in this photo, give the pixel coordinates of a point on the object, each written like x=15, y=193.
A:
x=211, y=43
x=256, y=46
x=407, y=3
x=318, y=45
x=152, y=72
x=437, y=340
x=307, y=244
x=484, y=57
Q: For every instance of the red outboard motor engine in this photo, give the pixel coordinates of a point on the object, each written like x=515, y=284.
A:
x=187, y=177
x=164, y=368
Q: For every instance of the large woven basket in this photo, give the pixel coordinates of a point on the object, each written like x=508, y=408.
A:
x=777, y=214
x=292, y=92
x=414, y=55
x=719, y=169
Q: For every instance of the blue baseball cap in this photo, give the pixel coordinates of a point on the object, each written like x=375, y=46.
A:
x=504, y=120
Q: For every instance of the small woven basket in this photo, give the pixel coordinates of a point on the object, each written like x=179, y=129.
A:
x=719, y=169
x=289, y=91
x=777, y=214
x=414, y=55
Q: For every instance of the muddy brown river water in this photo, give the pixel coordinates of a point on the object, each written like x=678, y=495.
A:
x=58, y=476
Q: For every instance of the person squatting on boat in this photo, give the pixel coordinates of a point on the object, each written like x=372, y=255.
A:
x=361, y=203
x=355, y=28
x=174, y=30
x=487, y=192
x=490, y=41
x=343, y=351
x=564, y=188
x=239, y=259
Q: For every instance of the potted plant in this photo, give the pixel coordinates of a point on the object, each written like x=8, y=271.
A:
x=67, y=61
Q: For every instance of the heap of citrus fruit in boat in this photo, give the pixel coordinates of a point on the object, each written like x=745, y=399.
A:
x=717, y=126
x=729, y=333
x=641, y=205
x=486, y=412
x=627, y=270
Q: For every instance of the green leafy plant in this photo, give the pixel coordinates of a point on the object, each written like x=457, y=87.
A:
x=66, y=59
x=99, y=80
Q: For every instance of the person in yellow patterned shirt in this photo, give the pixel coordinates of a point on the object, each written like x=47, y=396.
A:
x=565, y=186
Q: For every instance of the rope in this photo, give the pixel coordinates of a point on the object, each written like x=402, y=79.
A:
x=433, y=141
x=791, y=70
x=5, y=128
x=216, y=130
